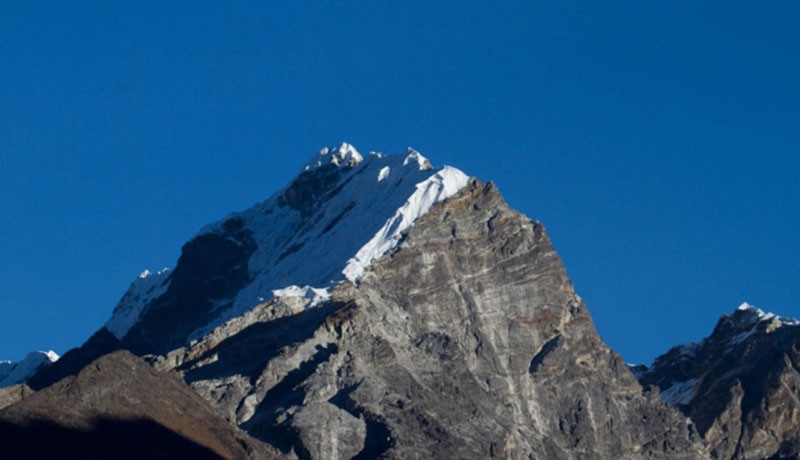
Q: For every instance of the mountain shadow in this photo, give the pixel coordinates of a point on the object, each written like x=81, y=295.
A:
x=108, y=439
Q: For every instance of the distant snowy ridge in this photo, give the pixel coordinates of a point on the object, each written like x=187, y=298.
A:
x=145, y=287
x=340, y=214
x=759, y=315
x=732, y=332
x=19, y=372
x=315, y=295
x=343, y=155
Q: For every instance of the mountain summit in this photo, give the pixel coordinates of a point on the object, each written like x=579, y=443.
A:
x=342, y=212
x=378, y=307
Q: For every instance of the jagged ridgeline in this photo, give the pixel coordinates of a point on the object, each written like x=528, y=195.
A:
x=374, y=307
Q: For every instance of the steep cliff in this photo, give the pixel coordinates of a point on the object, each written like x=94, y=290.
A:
x=466, y=341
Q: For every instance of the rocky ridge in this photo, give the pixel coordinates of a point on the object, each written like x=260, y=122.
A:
x=740, y=385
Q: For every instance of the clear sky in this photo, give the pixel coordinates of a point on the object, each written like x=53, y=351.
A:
x=657, y=141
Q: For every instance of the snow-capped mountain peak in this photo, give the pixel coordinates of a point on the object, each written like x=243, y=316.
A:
x=414, y=157
x=342, y=155
x=680, y=372
x=749, y=315
x=19, y=372
x=342, y=212
x=145, y=287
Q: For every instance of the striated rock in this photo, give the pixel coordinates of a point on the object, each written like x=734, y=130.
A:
x=467, y=341
x=14, y=394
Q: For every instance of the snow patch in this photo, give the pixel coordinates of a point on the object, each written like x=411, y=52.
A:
x=741, y=337
x=144, y=289
x=758, y=315
x=756, y=312
x=680, y=392
x=438, y=187
x=345, y=230
x=315, y=295
x=414, y=157
x=343, y=155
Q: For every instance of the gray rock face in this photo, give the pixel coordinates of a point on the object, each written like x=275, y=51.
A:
x=740, y=385
x=467, y=341
x=14, y=394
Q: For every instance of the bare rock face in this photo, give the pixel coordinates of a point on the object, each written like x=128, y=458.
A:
x=14, y=394
x=740, y=385
x=120, y=407
x=467, y=341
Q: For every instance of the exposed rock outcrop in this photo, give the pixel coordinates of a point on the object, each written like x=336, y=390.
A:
x=14, y=394
x=467, y=341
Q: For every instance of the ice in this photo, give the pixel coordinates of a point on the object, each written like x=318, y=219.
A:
x=414, y=157
x=759, y=315
x=438, y=187
x=333, y=239
x=680, y=392
x=347, y=231
x=146, y=287
x=315, y=295
x=343, y=155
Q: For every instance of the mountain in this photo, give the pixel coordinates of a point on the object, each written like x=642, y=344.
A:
x=374, y=307
x=342, y=212
x=20, y=372
x=465, y=341
x=740, y=385
x=339, y=214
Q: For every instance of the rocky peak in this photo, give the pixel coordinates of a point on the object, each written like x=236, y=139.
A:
x=327, y=225
x=381, y=308
x=740, y=385
x=414, y=157
x=466, y=340
x=342, y=155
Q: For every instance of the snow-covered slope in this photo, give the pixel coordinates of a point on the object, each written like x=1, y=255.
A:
x=144, y=288
x=342, y=212
x=19, y=372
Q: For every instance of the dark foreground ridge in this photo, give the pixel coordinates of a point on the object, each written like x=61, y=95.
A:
x=120, y=407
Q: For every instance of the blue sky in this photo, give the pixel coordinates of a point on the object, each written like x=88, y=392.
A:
x=657, y=141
